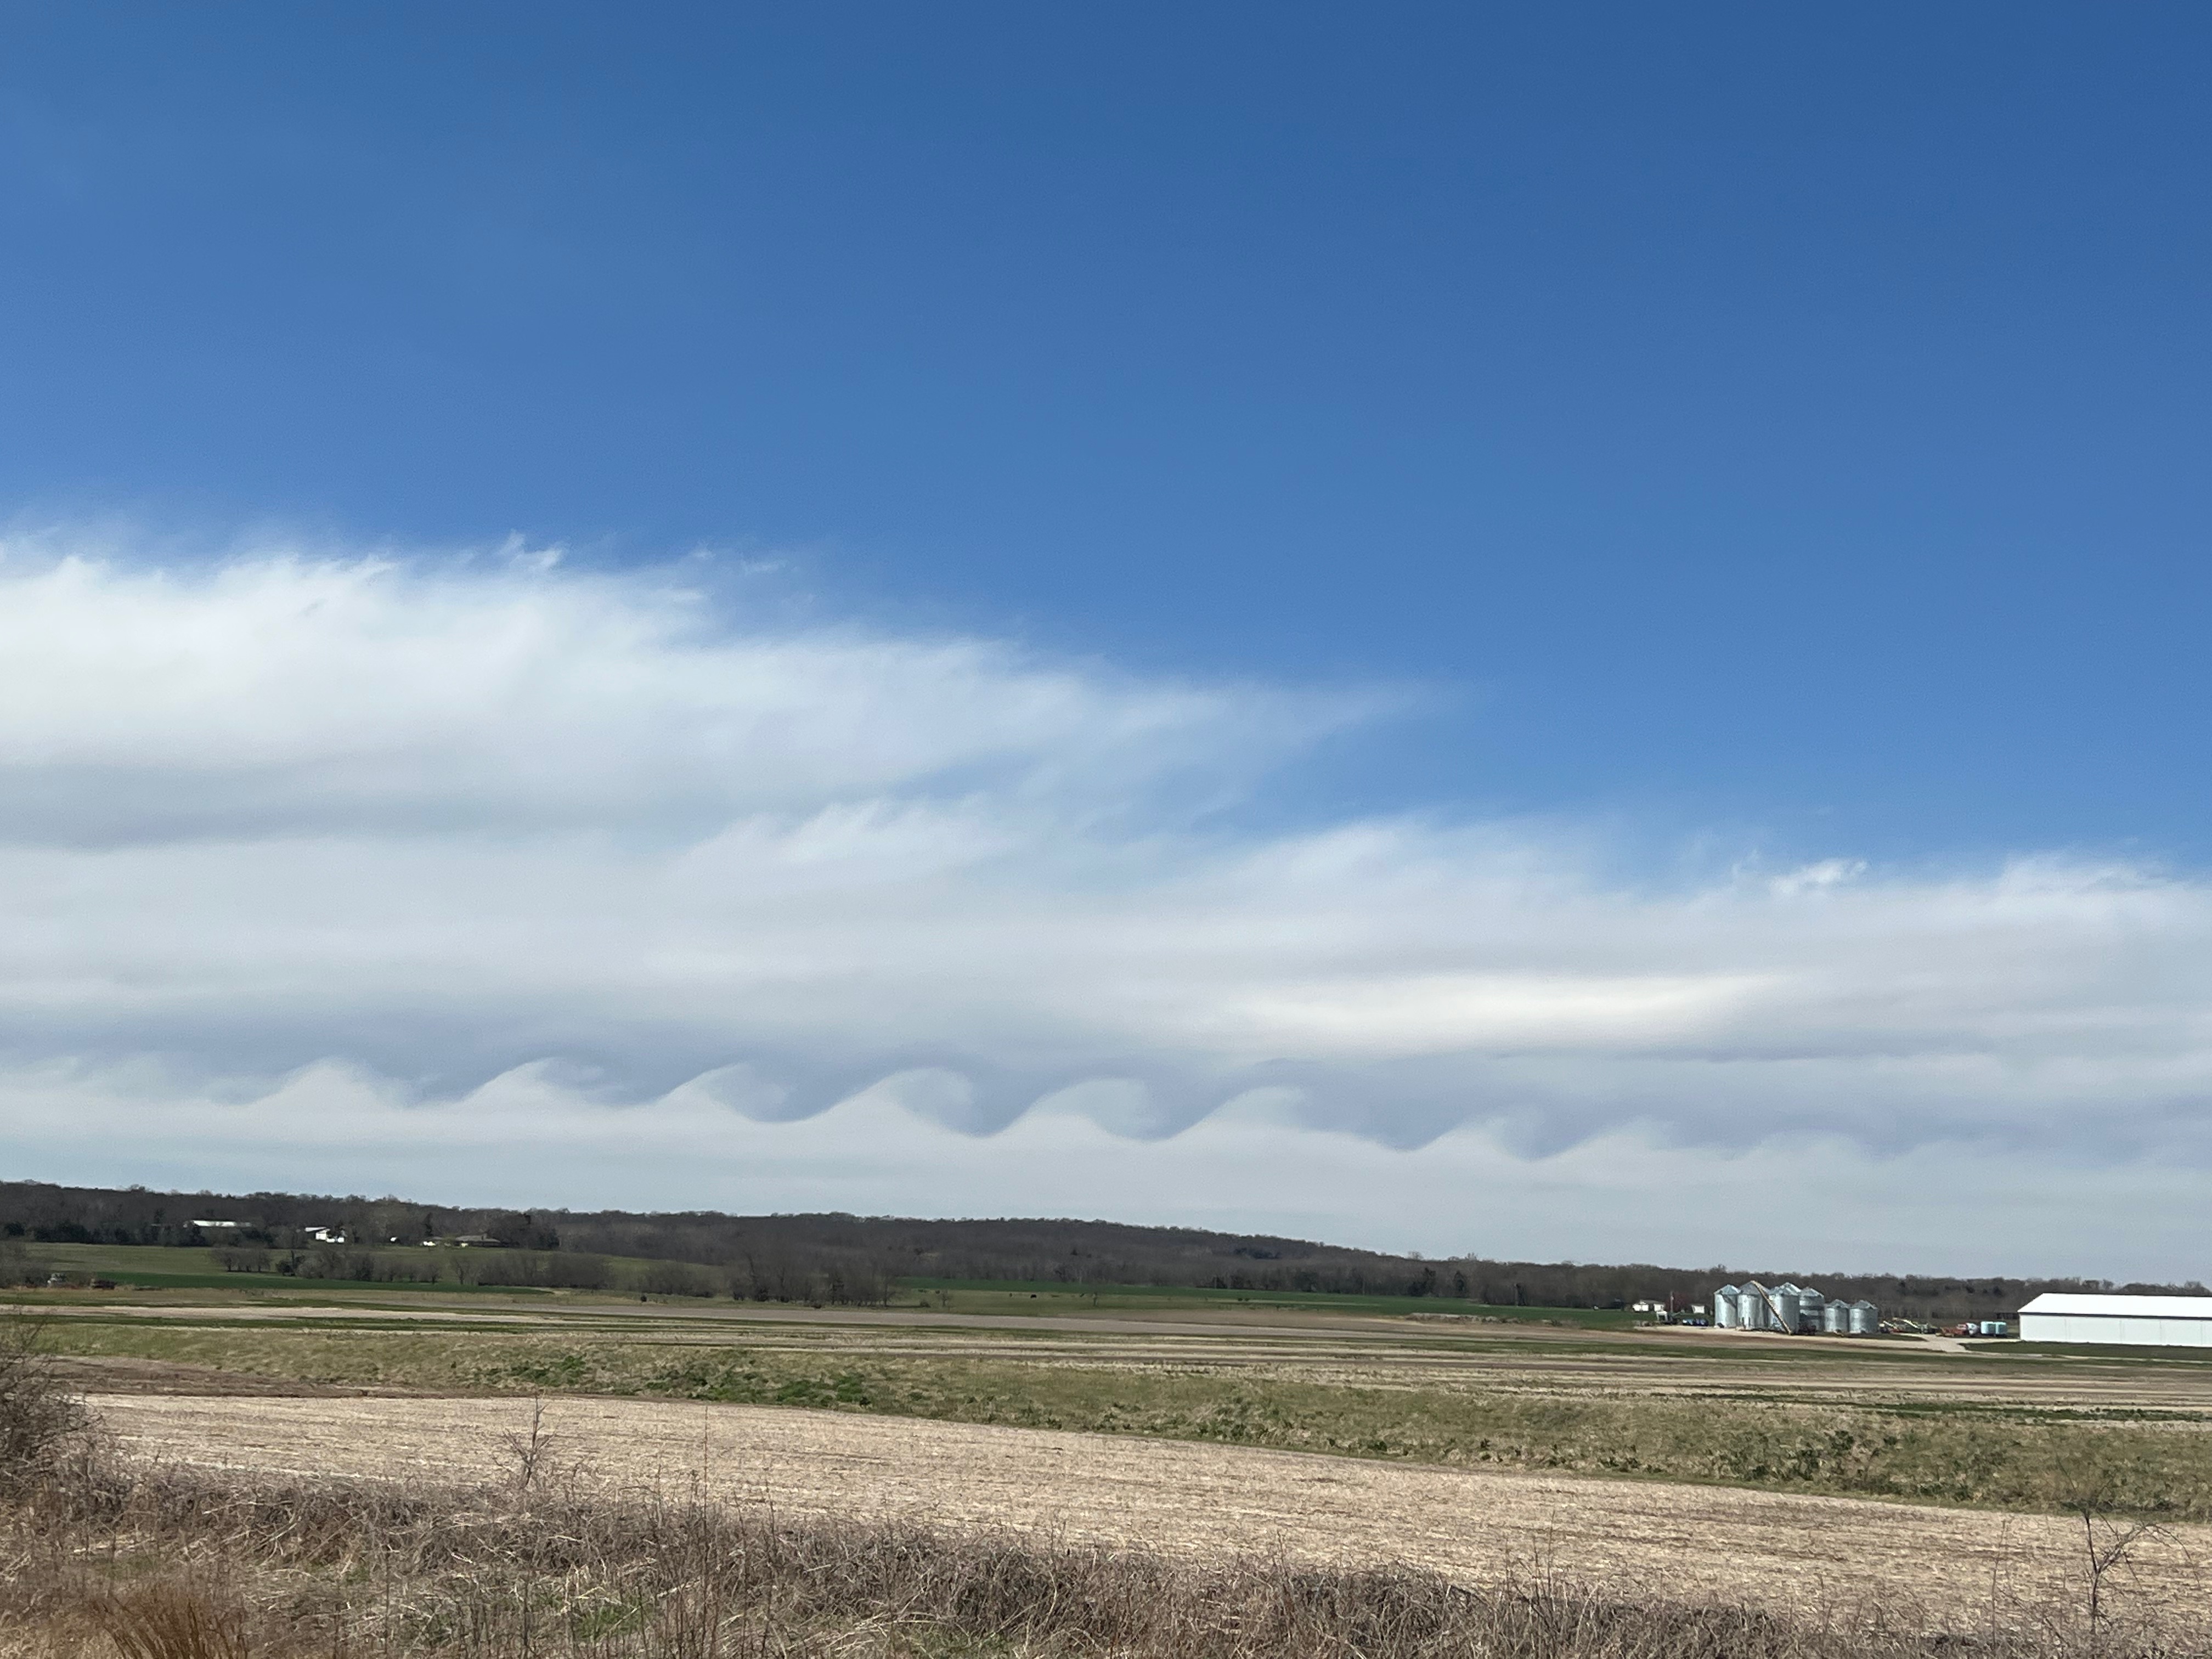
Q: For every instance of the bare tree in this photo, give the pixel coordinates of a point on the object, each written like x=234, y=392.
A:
x=535, y=1459
x=2109, y=1537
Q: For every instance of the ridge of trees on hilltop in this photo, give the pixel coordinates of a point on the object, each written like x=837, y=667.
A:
x=863, y=1259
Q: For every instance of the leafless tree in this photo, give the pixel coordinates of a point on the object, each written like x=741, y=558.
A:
x=2109, y=1537
x=535, y=1459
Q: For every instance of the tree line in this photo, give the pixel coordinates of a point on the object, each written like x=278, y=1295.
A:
x=836, y=1258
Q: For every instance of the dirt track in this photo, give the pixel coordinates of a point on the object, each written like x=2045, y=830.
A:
x=1197, y=1499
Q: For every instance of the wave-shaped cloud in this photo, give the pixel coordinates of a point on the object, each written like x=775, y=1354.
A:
x=437, y=820
x=531, y=1137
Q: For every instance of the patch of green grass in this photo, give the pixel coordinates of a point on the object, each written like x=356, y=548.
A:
x=165, y=1268
x=1050, y=1297
x=175, y=1267
x=111, y=1259
x=608, y=1619
x=2008, y=1412
x=151, y=1266
x=2010, y=1345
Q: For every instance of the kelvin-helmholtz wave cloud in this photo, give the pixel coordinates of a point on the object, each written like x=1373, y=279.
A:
x=490, y=877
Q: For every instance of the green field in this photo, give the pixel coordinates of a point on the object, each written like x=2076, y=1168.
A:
x=2097, y=1351
x=159, y=1267
x=982, y=1296
x=156, y=1267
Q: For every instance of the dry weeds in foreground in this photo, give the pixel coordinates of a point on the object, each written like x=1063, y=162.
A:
x=164, y=1565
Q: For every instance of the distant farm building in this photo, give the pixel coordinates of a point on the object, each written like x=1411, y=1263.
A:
x=2157, y=1321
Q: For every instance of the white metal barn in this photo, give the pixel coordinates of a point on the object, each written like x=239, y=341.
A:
x=2163, y=1321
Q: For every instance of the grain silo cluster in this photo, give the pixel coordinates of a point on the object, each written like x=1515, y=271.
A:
x=1794, y=1307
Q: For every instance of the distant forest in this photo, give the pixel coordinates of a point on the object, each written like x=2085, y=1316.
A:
x=866, y=1259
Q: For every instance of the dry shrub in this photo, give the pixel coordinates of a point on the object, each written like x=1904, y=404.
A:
x=168, y=1620
x=42, y=1423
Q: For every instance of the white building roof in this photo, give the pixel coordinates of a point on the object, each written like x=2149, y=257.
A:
x=2122, y=1307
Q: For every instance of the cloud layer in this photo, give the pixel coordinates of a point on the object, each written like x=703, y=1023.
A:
x=395, y=829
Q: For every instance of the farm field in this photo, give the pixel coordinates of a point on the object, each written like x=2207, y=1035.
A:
x=153, y=1267
x=1922, y=1487
x=1016, y=1298
x=1891, y=1420
x=1205, y=1502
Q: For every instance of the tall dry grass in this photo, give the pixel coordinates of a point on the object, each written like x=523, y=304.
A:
x=42, y=1425
x=171, y=1567
x=167, y=1565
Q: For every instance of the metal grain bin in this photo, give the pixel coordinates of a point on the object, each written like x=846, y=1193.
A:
x=1787, y=1303
x=1752, y=1313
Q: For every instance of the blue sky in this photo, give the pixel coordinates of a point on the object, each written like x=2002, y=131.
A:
x=1729, y=438
x=1764, y=415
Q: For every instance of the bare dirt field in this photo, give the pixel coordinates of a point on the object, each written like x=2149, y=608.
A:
x=1955, y=1567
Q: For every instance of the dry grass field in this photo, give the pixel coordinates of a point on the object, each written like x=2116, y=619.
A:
x=1200, y=1502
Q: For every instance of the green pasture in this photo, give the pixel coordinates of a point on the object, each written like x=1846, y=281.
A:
x=166, y=1267
x=2011, y=1345
x=1003, y=1297
x=162, y=1268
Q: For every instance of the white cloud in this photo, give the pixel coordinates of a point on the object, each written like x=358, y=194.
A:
x=281, y=695
x=412, y=827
